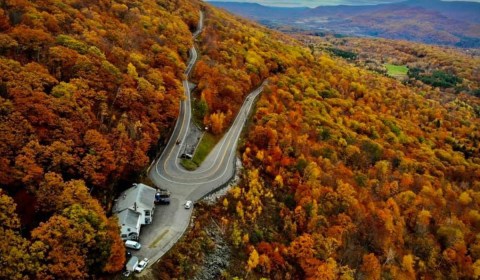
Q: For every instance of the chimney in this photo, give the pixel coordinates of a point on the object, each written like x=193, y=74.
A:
x=135, y=206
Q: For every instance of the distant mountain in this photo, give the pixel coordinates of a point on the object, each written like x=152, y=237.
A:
x=258, y=12
x=428, y=21
x=459, y=10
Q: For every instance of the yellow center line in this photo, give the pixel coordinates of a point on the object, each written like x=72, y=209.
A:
x=159, y=238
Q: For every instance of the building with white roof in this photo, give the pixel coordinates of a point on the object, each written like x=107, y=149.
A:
x=134, y=208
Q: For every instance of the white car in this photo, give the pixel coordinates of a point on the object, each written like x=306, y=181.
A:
x=133, y=244
x=188, y=204
x=141, y=265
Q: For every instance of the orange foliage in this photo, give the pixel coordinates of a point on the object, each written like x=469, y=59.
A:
x=86, y=90
x=360, y=169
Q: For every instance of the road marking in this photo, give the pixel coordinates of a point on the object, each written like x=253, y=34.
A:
x=225, y=146
x=178, y=176
x=158, y=239
x=221, y=157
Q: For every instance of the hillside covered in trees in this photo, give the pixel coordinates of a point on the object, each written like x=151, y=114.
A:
x=86, y=90
x=347, y=173
x=374, y=54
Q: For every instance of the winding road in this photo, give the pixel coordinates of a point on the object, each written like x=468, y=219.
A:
x=171, y=221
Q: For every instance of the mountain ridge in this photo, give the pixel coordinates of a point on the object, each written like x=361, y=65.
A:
x=433, y=22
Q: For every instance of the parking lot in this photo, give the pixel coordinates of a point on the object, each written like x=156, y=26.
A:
x=159, y=236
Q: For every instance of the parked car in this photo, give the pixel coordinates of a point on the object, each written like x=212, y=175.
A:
x=162, y=197
x=187, y=156
x=133, y=244
x=164, y=194
x=141, y=265
x=188, y=204
x=163, y=200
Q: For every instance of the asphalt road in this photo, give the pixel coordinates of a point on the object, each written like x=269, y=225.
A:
x=171, y=221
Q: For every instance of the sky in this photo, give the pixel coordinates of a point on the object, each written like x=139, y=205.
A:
x=316, y=3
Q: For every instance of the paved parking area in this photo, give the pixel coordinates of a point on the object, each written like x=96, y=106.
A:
x=169, y=223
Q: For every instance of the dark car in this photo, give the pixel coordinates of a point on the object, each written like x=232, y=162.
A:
x=187, y=156
x=163, y=200
x=162, y=197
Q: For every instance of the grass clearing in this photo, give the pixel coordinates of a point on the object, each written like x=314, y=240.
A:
x=188, y=164
x=207, y=143
x=396, y=70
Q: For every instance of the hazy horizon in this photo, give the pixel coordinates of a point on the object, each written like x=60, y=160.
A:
x=316, y=3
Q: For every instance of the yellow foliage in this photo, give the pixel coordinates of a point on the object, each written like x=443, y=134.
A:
x=245, y=238
x=408, y=264
x=424, y=217
x=139, y=60
x=236, y=235
x=253, y=58
x=279, y=180
x=240, y=212
x=346, y=273
x=476, y=269
x=217, y=122
x=352, y=150
x=253, y=260
x=327, y=270
x=260, y=155
x=465, y=198
x=236, y=192
x=144, y=86
x=132, y=71
x=474, y=216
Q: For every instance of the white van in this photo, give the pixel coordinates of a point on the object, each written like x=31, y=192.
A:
x=133, y=244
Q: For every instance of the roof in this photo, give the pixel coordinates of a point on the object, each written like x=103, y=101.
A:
x=128, y=218
x=141, y=194
x=132, y=263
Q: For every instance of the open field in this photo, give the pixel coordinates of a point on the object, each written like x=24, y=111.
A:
x=399, y=71
x=206, y=145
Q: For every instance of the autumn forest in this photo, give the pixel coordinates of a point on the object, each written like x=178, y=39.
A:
x=347, y=172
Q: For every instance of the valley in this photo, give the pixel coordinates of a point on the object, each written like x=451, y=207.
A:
x=431, y=22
